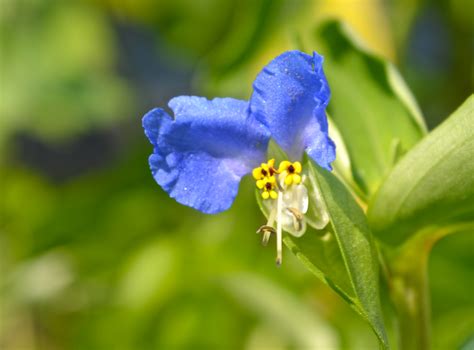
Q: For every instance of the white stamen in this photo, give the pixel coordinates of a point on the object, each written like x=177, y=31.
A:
x=271, y=217
x=271, y=220
x=279, y=230
x=297, y=218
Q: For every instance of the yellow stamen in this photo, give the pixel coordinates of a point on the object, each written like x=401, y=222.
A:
x=257, y=173
x=284, y=166
x=296, y=179
x=290, y=172
x=268, y=185
x=264, y=170
x=298, y=167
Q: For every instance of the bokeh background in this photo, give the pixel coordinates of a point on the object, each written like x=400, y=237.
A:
x=94, y=255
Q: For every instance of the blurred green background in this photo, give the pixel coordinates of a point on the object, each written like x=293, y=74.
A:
x=94, y=255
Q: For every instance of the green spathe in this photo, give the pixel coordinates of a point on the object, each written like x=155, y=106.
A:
x=351, y=270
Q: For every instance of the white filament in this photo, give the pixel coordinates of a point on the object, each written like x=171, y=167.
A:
x=279, y=230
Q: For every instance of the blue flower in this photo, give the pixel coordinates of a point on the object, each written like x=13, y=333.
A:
x=201, y=154
x=290, y=98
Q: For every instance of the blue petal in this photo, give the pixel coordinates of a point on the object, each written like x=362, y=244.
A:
x=200, y=157
x=290, y=97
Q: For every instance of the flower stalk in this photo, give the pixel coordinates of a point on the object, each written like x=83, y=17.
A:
x=407, y=269
x=279, y=231
x=410, y=295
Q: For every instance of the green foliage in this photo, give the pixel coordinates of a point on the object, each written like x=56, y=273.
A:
x=429, y=191
x=432, y=186
x=370, y=105
x=105, y=260
x=350, y=266
x=58, y=67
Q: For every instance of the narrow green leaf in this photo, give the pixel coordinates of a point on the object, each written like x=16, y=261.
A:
x=342, y=166
x=345, y=257
x=432, y=185
x=370, y=104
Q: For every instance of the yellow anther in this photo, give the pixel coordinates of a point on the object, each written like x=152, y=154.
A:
x=266, y=176
x=283, y=166
x=269, y=165
x=290, y=172
x=257, y=173
x=264, y=170
x=269, y=194
x=266, y=182
x=268, y=185
x=296, y=179
x=292, y=168
x=298, y=167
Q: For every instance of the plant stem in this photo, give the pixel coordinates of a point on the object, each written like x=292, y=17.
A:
x=409, y=290
x=406, y=270
x=410, y=294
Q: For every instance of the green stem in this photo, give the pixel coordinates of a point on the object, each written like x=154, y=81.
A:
x=410, y=294
x=409, y=290
x=406, y=270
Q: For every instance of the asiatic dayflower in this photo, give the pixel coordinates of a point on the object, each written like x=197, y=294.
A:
x=200, y=155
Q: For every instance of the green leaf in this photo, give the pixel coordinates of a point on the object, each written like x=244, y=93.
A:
x=344, y=257
x=370, y=104
x=342, y=166
x=432, y=186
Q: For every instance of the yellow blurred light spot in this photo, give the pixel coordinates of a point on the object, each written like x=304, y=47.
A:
x=367, y=17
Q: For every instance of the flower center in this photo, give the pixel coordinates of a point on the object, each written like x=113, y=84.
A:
x=285, y=199
x=290, y=172
x=265, y=170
